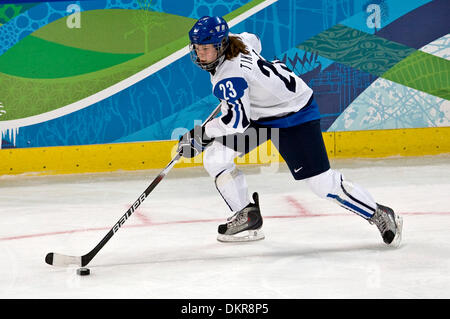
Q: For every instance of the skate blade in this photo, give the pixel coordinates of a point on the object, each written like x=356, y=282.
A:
x=245, y=236
x=398, y=236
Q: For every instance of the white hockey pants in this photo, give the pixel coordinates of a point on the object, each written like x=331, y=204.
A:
x=218, y=161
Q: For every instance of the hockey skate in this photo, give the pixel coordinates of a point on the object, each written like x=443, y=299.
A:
x=244, y=225
x=389, y=224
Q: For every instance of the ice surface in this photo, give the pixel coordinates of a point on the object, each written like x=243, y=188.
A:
x=168, y=248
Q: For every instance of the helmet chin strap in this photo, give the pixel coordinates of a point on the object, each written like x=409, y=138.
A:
x=211, y=66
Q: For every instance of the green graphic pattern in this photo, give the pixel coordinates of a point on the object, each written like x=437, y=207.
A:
x=27, y=96
x=55, y=60
x=383, y=58
x=34, y=96
x=424, y=72
x=10, y=11
x=117, y=31
x=357, y=49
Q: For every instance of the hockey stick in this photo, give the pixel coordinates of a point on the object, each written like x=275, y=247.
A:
x=55, y=259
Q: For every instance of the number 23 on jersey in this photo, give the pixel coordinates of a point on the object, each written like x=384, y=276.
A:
x=230, y=89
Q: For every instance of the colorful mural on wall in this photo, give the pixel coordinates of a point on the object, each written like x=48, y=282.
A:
x=107, y=71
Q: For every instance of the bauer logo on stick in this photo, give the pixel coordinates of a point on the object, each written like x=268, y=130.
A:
x=128, y=213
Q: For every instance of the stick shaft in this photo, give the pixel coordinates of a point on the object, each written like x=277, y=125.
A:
x=63, y=260
x=89, y=256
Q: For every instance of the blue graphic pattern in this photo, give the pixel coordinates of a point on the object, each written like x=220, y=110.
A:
x=171, y=100
x=148, y=102
x=391, y=10
x=180, y=85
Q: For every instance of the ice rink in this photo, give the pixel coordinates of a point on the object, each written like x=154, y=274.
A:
x=168, y=248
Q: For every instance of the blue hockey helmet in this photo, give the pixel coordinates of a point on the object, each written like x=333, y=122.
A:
x=209, y=30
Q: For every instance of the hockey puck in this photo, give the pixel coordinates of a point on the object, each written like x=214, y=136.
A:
x=83, y=271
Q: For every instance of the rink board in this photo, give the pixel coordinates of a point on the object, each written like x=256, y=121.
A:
x=155, y=155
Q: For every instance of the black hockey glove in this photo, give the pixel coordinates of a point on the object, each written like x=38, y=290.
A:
x=193, y=142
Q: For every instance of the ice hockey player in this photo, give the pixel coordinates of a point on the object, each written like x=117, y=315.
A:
x=258, y=94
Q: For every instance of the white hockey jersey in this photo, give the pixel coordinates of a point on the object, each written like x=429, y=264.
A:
x=252, y=88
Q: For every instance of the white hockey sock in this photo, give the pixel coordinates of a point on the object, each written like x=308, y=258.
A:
x=333, y=186
x=232, y=185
